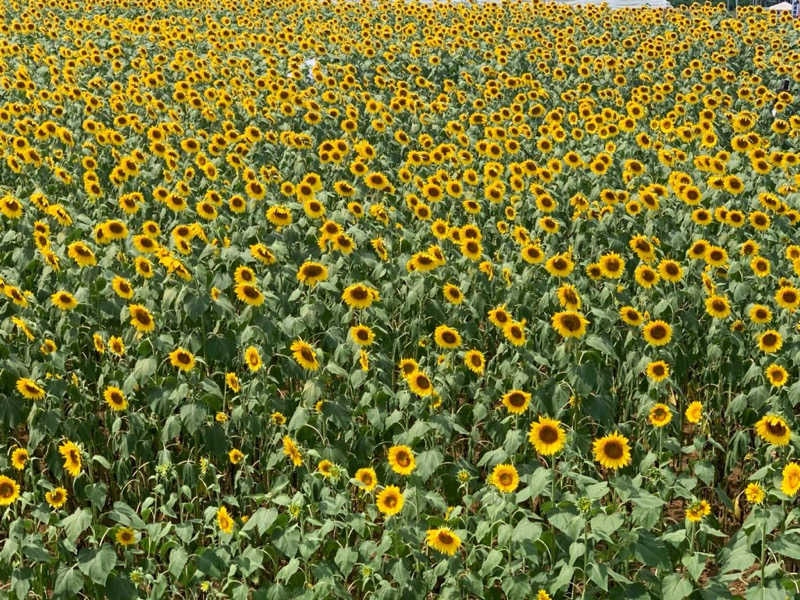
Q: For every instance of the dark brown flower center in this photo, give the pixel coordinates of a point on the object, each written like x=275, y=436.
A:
x=613, y=450
x=548, y=434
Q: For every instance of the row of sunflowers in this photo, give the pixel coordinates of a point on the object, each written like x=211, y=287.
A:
x=398, y=299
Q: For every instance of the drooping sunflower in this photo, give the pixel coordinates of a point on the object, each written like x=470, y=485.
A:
x=570, y=324
x=475, y=361
x=359, y=295
x=774, y=430
x=182, y=359
x=63, y=300
x=790, y=483
x=9, y=490
x=516, y=401
x=291, y=450
x=447, y=337
x=305, y=355
x=311, y=273
x=776, y=375
x=612, y=451
x=252, y=358
x=401, y=459
x=56, y=497
x=390, y=501
x=224, y=520
x=443, y=540
x=367, y=478
x=72, y=457
x=660, y=415
x=115, y=398
x=657, y=333
x=658, y=370
x=505, y=478
x=29, y=389
x=547, y=436
x=770, y=341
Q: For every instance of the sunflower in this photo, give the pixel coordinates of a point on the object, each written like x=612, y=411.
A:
x=504, y=478
x=359, y=295
x=19, y=458
x=326, y=468
x=658, y=370
x=547, y=436
x=447, y=337
x=791, y=479
x=224, y=520
x=56, y=497
x=252, y=358
x=499, y=316
x=657, y=333
x=390, y=500
x=514, y=332
x=568, y=297
x=475, y=361
x=698, y=510
x=125, y=536
x=760, y=266
x=420, y=383
x=774, y=430
x=754, y=493
x=64, y=300
x=29, y=389
x=776, y=375
x=630, y=315
x=532, y=253
x=182, y=359
x=9, y=490
x=646, y=276
x=401, y=459
x=305, y=355
x=612, y=451
x=660, y=415
x=694, y=412
x=443, y=540
x=569, y=324
x=718, y=307
x=141, y=319
x=611, y=265
x=81, y=254
x=249, y=294
x=452, y=293
x=116, y=345
x=122, y=287
x=516, y=401
x=362, y=335
x=560, y=265
x=232, y=381
x=770, y=341
x=788, y=297
x=235, y=456
x=72, y=457
x=366, y=478
x=115, y=398
x=312, y=273
x=291, y=450
x=760, y=314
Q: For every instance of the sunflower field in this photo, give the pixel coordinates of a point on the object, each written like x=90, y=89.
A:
x=313, y=299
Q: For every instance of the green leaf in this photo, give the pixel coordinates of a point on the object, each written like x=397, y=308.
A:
x=674, y=587
x=570, y=524
x=68, y=583
x=125, y=515
x=262, y=520
x=345, y=559
x=76, y=523
x=651, y=551
x=784, y=547
x=605, y=525
x=120, y=588
x=492, y=560
x=285, y=574
x=526, y=531
x=427, y=463
x=694, y=563
x=97, y=564
x=177, y=561
x=595, y=341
